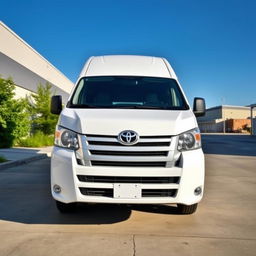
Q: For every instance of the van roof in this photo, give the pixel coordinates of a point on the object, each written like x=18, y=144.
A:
x=127, y=65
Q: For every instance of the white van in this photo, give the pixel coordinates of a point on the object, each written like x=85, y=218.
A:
x=127, y=136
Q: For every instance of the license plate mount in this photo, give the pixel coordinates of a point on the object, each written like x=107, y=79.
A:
x=127, y=191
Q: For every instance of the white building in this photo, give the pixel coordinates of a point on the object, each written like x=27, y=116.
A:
x=217, y=118
x=27, y=67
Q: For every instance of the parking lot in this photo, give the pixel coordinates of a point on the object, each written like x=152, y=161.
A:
x=224, y=224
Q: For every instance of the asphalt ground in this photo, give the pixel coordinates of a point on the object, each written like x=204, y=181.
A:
x=224, y=224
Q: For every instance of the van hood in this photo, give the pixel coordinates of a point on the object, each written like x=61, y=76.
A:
x=112, y=121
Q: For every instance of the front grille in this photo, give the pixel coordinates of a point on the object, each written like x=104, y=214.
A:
x=134, y=180
x=128, y=164
x=109, y=192
x=129, y=153
x=105, y=150
x=139, y=144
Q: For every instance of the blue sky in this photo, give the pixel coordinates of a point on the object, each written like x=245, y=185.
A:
x=210, y=44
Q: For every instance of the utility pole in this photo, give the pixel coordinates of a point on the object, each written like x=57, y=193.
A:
x=224, y=121
x=223, y=114
x=252, y=126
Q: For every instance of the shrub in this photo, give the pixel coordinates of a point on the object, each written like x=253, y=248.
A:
x=42, y=119
x=2, y=159
x=39, y=139
x=14, y=119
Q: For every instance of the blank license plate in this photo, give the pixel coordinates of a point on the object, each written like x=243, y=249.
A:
x=124, y=191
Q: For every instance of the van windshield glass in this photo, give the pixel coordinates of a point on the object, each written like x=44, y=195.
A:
x=128, y=92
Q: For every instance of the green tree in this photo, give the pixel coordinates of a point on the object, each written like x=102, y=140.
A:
x=39, y=107
x=14, y=119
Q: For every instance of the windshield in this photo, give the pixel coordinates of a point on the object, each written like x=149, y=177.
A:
x=128, y=92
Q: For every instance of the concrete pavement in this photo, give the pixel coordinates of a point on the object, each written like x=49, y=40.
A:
x=225, y=223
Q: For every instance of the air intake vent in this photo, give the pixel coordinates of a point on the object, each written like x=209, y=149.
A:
x=120, y=179
x=106, y=192
x=159, y=192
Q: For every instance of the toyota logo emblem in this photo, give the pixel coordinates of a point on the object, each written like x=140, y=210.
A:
x=128, y=137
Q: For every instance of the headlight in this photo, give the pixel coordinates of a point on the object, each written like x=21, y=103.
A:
x=189, y=140
x=66, y=138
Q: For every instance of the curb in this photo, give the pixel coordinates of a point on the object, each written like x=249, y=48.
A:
x=10, y=164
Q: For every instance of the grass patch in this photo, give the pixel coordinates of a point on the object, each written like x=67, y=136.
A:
x=2, y=159
x=36, y=140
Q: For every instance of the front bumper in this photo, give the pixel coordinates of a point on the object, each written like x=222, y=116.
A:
x=65, y=171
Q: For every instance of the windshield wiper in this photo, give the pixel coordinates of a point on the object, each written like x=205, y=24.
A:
x=137, y=107
x=151, y=107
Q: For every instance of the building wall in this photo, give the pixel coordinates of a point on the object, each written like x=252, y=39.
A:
x=227, y=112
x=21, y=92
x=236, y=125
x=211, y=114
x=211, y=126
x=26, y=81
x=27, y=67
x=254, y=126
x=214, y=119
x=237, y=113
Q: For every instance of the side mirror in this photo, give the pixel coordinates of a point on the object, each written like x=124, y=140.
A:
x=199, y=107
x=56, y=104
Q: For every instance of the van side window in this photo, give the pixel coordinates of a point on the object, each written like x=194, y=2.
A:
x=78, y=94
x=175, y=99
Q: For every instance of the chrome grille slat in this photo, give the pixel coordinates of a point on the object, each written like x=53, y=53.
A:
x=126, y=148
x=128, y=158
x=142, y=137
x=144, y=144
x=99, y=136
x=129, y=153
x=114, y=139
x=107, y=139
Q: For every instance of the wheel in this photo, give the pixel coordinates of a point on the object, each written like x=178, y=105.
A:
x=186, y=209
x=66, y=208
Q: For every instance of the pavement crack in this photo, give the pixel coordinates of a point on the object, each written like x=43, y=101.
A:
x=134, y=245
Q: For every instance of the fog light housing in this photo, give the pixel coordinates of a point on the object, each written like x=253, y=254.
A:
x=56, y=188
x=198, y=191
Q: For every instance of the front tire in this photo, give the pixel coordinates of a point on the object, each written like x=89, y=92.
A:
x=66, y=208
x=186, y=209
